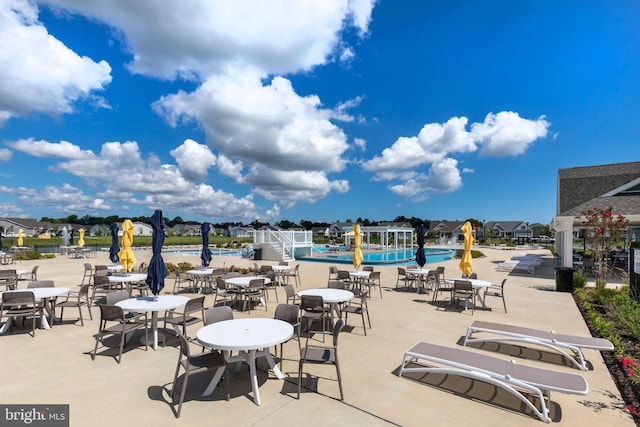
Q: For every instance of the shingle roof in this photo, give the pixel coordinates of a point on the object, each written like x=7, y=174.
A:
x=577, y=186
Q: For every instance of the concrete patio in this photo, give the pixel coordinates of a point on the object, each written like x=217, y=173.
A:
x=55, y=367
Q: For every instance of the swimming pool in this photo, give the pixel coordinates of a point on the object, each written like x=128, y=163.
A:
x=214, y=252
x=383, y=257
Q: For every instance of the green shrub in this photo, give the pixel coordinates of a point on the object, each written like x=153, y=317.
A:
x=579, y=281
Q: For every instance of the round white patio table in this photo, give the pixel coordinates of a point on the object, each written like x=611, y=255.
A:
x=477, y=284
x=127, y=279
x=153, y=304
x=196, y=275
x=421, y=274
x=244, y=281
x=40, y=294
x=252, y=338
x=330, y=296
x=281, y=271
x=115, y=268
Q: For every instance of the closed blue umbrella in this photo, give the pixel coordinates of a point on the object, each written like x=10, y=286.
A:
x=115, y=247
x=421, y=258
x=157, y=270
x=205, y=255
x=71, y=237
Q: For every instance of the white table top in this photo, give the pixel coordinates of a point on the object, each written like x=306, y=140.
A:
x=40, y=293
x=281, y=267
x=115, y=267
x=130, y=277
x=476, y=283
x=359, y=273
x=245, y=280
x=421, y=271
x=245, y=334
x=329, y=295
x=150, y=303
x=198, y=271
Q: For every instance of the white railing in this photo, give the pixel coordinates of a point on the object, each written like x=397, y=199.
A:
x=286, y=240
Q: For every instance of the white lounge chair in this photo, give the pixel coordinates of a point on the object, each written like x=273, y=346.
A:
x=548, y=339
x=508, y=375
x=517, y=265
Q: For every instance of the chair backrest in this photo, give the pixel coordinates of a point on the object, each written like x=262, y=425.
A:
x=311, y=302
x=17, y=298
x=115, y=296
x=264, y=269
x=34, y=272
x=256, y=284
x=440, y=270
x=402, y=271
x=101, y=267
x=217, y=314
x=343, y=275
x=462, y=285
x=473, y=276
x=503, y=283
x=84, y=290
x=184, y=346
x=367, y=268
x=41, y=284
x=374, y=276
x=336, y=284
x=111, y=313
x=87, y=267
x=283, y=263
x=289, y=313
x=100, y=279
x=194, y=304
x=290, y=292
x=221, y=284
x=271, y=275
x=7, y=274
x=333, y=270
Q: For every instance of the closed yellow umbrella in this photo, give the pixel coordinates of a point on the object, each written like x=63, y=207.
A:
x=465, y=263
x=20, y=242
x=81, y=239
x=127, y=259
x=357, y=252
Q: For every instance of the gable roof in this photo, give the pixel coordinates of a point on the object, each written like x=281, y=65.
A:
x=612, y=185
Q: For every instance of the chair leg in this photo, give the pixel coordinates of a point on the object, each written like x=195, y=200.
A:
x=182, y=392
x=339, y=378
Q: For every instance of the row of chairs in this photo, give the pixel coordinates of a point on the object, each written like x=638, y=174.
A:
x=372, y=281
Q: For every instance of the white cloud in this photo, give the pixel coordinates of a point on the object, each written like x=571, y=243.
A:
x=360, y=143
x=502, y=134
x=43, y=148
x=5, y=154
x=205, y=37
x=123, y=177
x=46, y=76
x=265, y=127
x=508, y=134
x=194, y=160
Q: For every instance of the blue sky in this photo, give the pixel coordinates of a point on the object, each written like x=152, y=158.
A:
x=321, y=110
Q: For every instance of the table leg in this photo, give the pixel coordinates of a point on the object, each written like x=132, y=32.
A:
x=214, y=382
x=154, y=328
x=254, y=376
x=272, y=363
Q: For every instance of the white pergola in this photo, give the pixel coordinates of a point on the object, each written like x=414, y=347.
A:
x=388, y=235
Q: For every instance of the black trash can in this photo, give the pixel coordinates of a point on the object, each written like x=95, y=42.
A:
x=564, y=279
x=257, y=254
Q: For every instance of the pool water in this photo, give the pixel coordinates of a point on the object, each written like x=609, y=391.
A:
x=384, y=257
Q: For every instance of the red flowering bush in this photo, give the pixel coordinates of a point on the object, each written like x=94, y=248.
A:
x=603, y=231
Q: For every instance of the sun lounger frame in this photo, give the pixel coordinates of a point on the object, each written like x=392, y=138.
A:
x=507, y=375
x=560, y=343
x=518, y=265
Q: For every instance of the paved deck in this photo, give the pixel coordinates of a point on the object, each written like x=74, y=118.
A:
x=55, y=366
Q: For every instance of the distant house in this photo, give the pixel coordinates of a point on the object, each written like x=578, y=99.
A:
x=241, y=231
x=339, y=229
x=139, y=229
x=99, y=230
x=508, y=230
x=320, y=231
x=29, y=226
x=449, y=232
x=582, y=188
